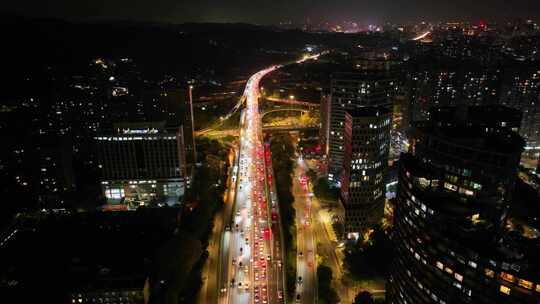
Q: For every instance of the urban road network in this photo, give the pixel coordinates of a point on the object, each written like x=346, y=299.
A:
x=251, y=257
x=248, y=267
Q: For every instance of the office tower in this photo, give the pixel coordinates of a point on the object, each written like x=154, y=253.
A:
x=365, y=164
x=431, y=89
x=350, y=91
x=143, y=163
x=174, y=105
x=452, y=233
x=324, y=132
x=524, y=94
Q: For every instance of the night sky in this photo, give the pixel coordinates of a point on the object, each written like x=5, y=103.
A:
x=274, y=11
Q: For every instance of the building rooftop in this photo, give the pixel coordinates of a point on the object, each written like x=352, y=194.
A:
x=131, y=128
x=498, y=140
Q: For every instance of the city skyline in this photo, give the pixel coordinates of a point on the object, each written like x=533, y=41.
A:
x=256, y=12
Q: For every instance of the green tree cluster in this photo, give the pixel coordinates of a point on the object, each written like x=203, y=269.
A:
x=282, y=150
x=178, y=277
x=326, y=294
x=323, y=191
x=370, y=259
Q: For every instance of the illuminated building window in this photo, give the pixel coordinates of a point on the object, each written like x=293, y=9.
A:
x=458, y=277
x=440, y=265
x=449, y=270
x=472, y=264
x=450, y=187
x=489, y=273
x=476, y=186
x=114, y=193
x=452, y=178
x=423, y=182
x=525, y=284
x=537, y=287
x=505, y=289
x=507, y=277
x=466, y=191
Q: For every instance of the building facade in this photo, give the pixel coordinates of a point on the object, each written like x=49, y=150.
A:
x=350, y=91
x=142, y=163
x=451, y=234
x=524, y=94
x=324, y=132
x=365, y=165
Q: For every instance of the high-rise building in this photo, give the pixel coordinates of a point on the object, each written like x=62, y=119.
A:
x=142, y=163
x=481, y=87
x=451, y=87
x=324, y=132
x=175, y=105
x=365, y=164
x=524, y=94
x=350, y=91
x=453, y=235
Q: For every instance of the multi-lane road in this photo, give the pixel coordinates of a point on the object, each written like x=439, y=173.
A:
x=248, y=272
x=306, y=264
x=250, y=252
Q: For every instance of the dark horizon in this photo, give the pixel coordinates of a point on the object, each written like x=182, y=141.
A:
x=243, y=11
